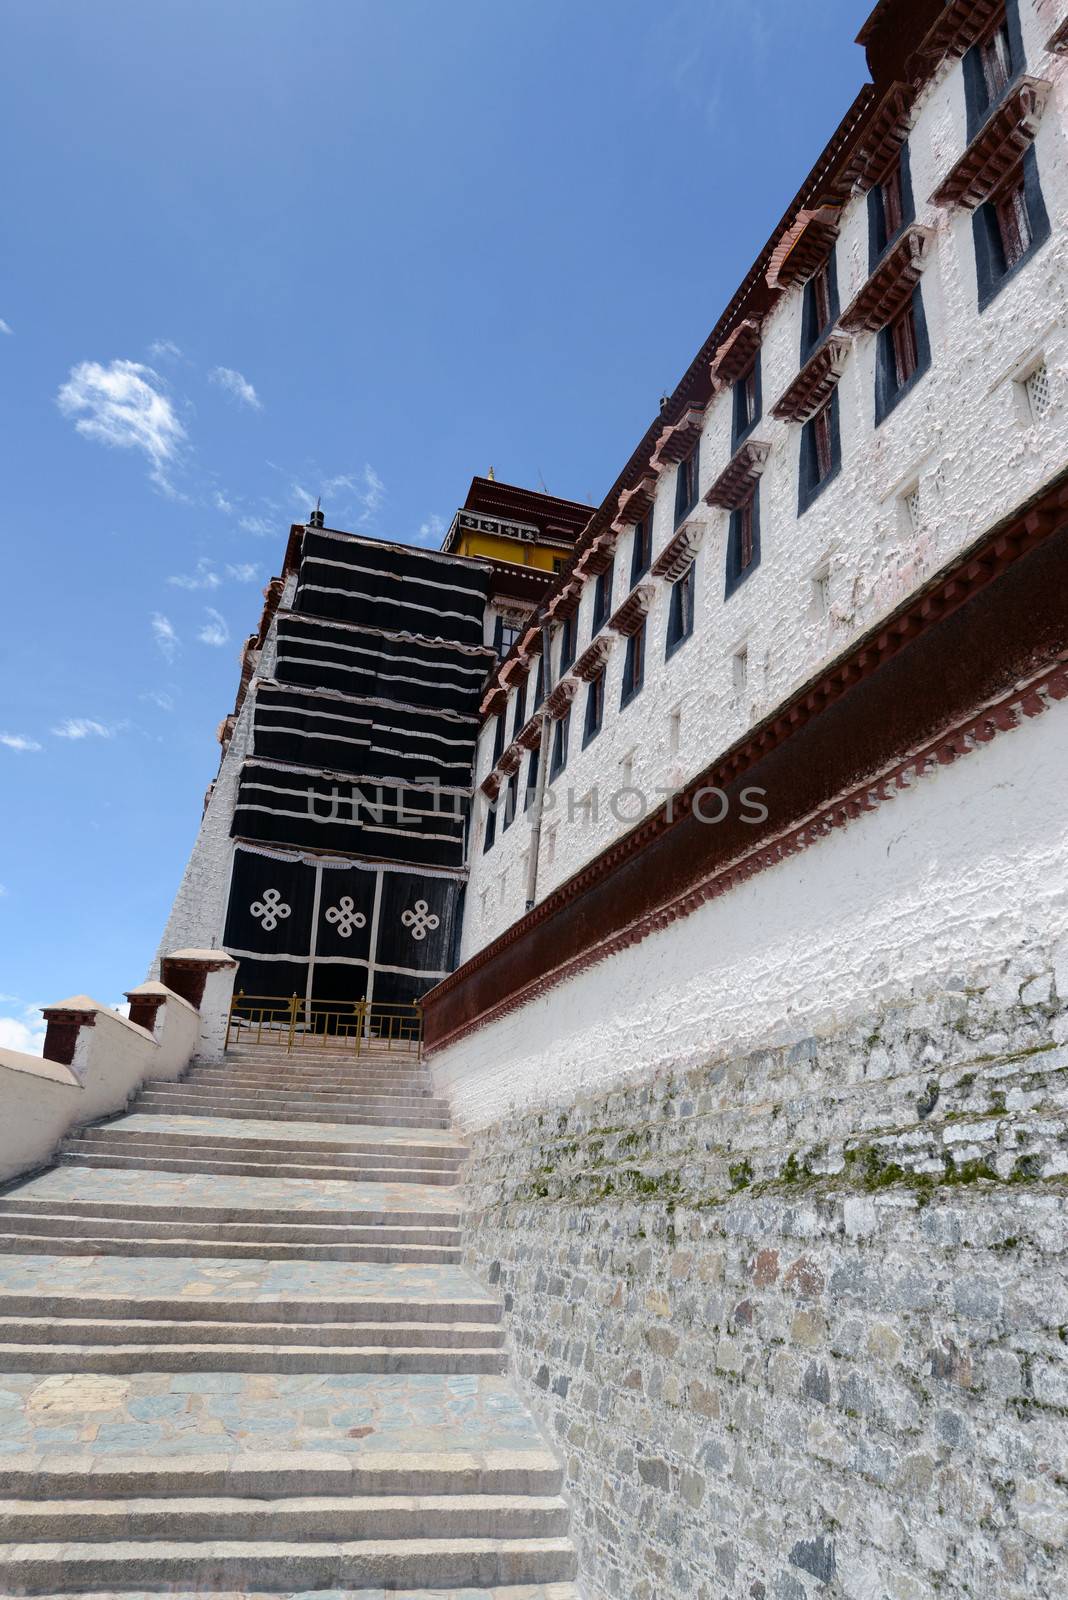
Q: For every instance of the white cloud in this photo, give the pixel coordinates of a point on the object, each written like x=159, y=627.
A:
x=158, y=697
x=257, y=525
x=83, y=728
x=205, y=577
x=431, y=531
x=5, y=327
x=214, y=631
x=345, y=497
x=220, y=502
x=163, y=632
x=25, y=1033
x=18, y=741
x=124, y=405
x=243, y=572
x=237, y=384
x=165, y=348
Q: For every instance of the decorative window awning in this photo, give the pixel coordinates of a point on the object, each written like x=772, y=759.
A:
x=593, y=658
x=514, y=672
x=511, y=758
x=736, y=354
x=804, y=247
x=491, y=785
x=529, y=735
x=678, y=553
x=494, y=701
x=677, y=441
x=559, y=702
x=736, y=482
x=890, y=286
x=635, y=503
x=959, y=25
x=997, y=148
x=882, y=137
x=815, y=382
x=1057, y=43
x=530, y=644
x=598, y=558
x=631, y=614
x=566, y=602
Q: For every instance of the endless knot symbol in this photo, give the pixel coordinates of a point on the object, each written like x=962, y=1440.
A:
x=346, y=916
x=421, y=919
x=269, y=909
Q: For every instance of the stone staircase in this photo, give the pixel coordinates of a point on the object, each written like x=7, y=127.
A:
x=239, y=1354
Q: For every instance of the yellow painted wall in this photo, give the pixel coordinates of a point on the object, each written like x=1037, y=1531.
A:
x=494, y=548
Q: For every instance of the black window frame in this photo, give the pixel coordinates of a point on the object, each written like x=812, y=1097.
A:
x=890, y=389
x=532, y=777
x=979, y=101
x=510, y=801
x=633, y=666
x=593, y=720
x=810, y=484
x=498, y=738
x=742, y=423
x=641, y=550
x=519, y=715
x=737, y=571
x=687, y=483
x=882, y=238
x=681, y=604
x=561, y=735
x=490, y=834
x=602, y=596
x=567, y=643
x=815, y=329
x=992, y=271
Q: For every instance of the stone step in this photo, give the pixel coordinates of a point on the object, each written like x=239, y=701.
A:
x=92, y=1242
x=162, y=1162
x=389, y=1116
x=276, y=1202
x=289, y=1358
x=297, y=1095
x=376, y=1083
x=358, y=1309
x=275, y=1564
x=69, y=1220
x=85, y=1331
x=242, y=1136
x=304, y=1518
x=526, y=1591
x=278, y=1474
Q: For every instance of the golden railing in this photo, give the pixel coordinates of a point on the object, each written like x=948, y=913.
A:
x=362, y=1026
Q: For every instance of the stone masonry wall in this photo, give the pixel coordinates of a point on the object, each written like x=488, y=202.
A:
x=798, y=1321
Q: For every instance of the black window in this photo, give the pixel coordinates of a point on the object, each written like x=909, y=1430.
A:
x=560, y=733
x=890, y=207
x=743, y=543
x=510, y=801
x=747, y=404
x=902, y=356
x=498, y=739
x=1009, y=228
x=532, y=777
x=508, y=634
x=559, y=563
x=567, y=643
x=520, y=708
x=680, y=610
x=821, y=453
x=491, y=825
x=641, y=549
x=633, y=666
x=539, y=683
x=594, y=709
x=686, y=477
x=991, y=65
x=602, y=597
x=819, y=311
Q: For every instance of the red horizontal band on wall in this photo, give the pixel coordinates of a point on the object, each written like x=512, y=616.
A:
x=986, y=640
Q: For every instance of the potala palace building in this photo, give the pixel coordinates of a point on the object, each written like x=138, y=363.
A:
x=713, y=844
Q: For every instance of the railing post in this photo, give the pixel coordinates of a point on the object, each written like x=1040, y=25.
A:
x=361, y=1023
x=419, y=1030
x=234, y=999
x=293, y=1004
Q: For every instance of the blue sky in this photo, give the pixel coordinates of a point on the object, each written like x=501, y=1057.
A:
x=264, y=249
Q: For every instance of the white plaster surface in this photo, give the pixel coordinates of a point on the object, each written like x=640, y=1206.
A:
x=964, y=435
x=954, y=874
x=38, y=1102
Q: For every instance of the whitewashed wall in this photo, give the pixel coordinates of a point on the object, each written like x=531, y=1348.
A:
x=964, y=435
x=972, y=869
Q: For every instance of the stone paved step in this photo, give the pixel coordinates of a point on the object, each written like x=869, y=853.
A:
x=145, y=1332
x=305, y=1136
x=525, y=1591
x=279, y=1089
x=380, y=1082
x=361, y=1114
x=256, y=1290
x=60, y=1218
x=161, y=1161
x=288, y=1358
x=317, y=1517
x=98, y=1241
x=37, y=1568
x=210, y=1198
